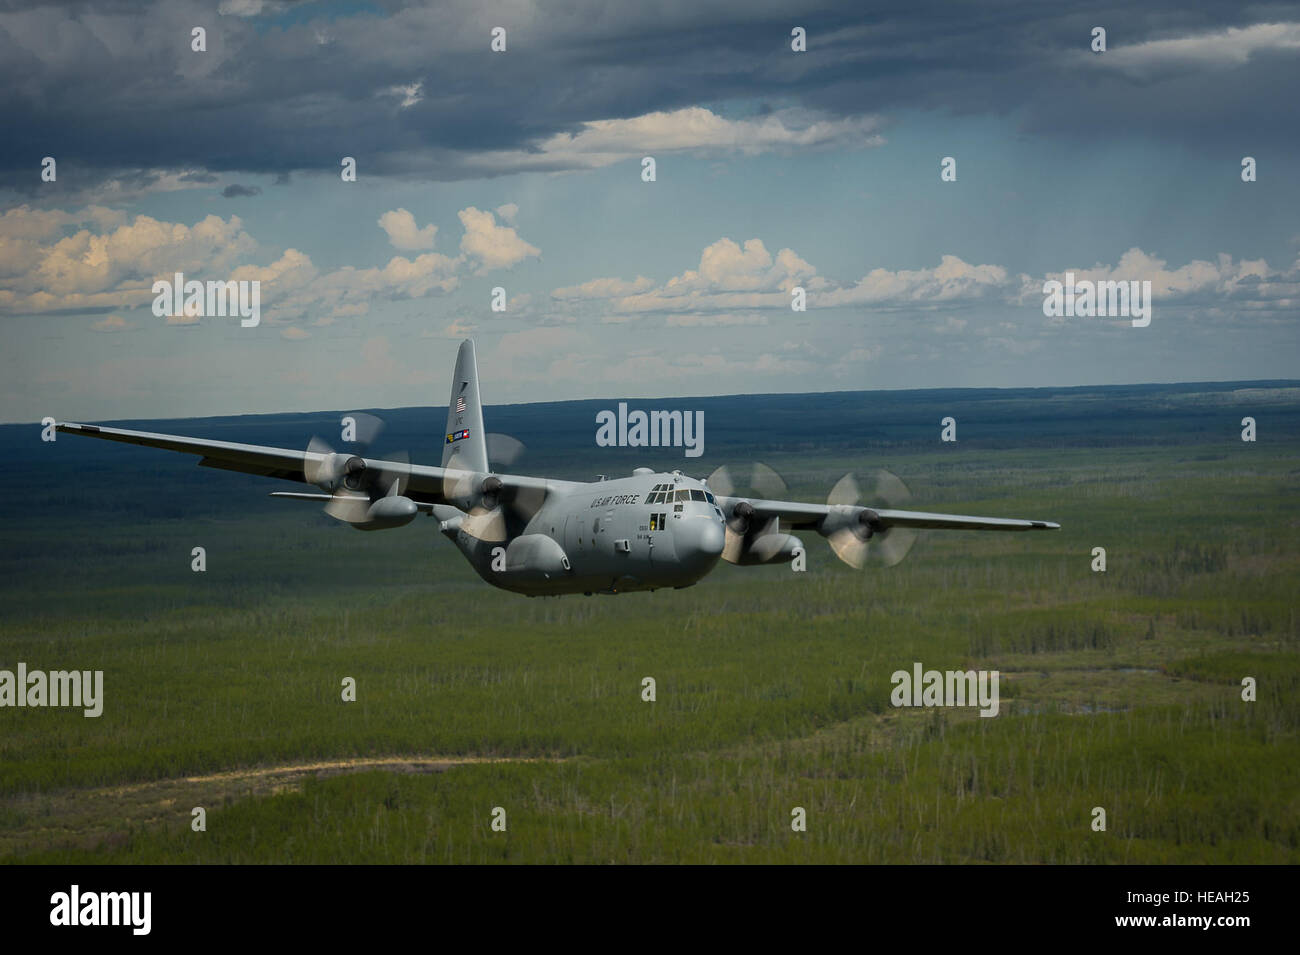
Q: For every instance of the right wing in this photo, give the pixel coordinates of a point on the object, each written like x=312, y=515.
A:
x=798, y=515
x=754, y=535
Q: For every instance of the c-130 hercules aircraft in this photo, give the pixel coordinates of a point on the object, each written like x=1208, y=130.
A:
x=540, y=537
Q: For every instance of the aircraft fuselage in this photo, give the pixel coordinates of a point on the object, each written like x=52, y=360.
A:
x=643, y=532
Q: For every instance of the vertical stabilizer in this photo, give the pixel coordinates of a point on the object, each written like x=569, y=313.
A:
x=464, y=445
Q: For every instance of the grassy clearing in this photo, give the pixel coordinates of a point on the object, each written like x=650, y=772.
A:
x=1120, y=689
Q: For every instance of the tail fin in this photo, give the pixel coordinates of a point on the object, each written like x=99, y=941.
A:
x=464, y=443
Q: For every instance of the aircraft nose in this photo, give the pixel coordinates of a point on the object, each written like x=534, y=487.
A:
x=699, y=542
x=712, y=540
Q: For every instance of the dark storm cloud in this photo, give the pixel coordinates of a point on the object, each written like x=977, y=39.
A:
x=114, y=86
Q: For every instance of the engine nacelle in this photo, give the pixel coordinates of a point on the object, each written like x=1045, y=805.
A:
x=862, y=521
x=387, y=512
x=335, y=471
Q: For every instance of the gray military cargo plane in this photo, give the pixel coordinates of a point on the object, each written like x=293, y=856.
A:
x=538, y=537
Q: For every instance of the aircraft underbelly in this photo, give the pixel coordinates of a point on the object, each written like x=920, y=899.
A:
x=600, y=561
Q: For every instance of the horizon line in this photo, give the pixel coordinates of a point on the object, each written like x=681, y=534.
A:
x=1270, y=382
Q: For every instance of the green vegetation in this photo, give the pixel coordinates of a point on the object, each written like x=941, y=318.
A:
x=1120, y=690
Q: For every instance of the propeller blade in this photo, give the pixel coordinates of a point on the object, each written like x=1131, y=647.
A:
x=845, y=492
x=893, y=544
x=890, y=489
x=458, y=485
x=503, y=449
x=525, y=502
x=348, y=507
x=720, y=482
x=316, y=471
x=769, y=543
x=489, y=526
x=733, y=547
x=363, y=430
x=849, y=547
x=767, y=482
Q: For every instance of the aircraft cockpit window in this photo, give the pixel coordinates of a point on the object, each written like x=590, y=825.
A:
x=683, y=494
x=697, y=494
x=709, y=497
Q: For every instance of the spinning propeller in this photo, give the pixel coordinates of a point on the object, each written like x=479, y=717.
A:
x=742, y=524
x=361, y=494
x=491, y=508
x=859, y=539
x=856, y=533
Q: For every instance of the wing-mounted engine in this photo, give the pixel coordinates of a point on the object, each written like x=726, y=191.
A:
x=751, y=538
x=515, y=561
x=856, y=532
x=494, y=511
x=364, y=493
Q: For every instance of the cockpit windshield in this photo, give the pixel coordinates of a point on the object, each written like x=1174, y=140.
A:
x=663, y=493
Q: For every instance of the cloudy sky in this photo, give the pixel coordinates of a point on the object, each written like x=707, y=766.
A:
x=522, y=170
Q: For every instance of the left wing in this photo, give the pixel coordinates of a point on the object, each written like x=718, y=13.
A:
x=249, y=458
x=422, y=483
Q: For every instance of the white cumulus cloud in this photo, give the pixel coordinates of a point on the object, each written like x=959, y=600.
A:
x=493, y=246
x=403, y=233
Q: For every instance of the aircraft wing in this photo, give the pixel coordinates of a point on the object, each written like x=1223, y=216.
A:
x=959, y=522
x=424, y=484
x=800, y=515
x=249, y=458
